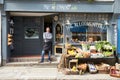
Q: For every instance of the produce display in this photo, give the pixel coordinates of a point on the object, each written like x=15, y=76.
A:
x=114, y=72
x=74, y=68
x=103, y=68
x=92, y=68
x=82, y=68
x=106, y=48
x=99, y=50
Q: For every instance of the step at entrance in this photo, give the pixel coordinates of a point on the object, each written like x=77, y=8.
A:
x=30, y=58
x=33, y=64
x=33, y=61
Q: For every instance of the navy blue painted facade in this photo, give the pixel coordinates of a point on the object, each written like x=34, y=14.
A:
x=1, y=1
x=62, y=6
x=98, y=7
x=117, y=6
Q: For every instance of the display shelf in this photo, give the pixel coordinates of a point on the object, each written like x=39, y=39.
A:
x=71, y=57
x=76, y=43
x=109, y=60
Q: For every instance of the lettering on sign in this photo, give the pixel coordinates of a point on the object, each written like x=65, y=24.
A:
x=47, y=7
x=63, y=7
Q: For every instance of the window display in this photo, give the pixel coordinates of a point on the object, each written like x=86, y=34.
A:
x=59, y=34
x=31, y=33
x=82, y=31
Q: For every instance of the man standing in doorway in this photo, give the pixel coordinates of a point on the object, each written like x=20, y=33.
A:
x=47, y=37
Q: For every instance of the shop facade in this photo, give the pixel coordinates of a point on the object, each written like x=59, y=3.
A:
x=96, y=20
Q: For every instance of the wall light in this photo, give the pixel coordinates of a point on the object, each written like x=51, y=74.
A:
x=68, y=22
x=106, y=23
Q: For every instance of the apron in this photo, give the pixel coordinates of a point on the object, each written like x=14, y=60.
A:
x=47, y=46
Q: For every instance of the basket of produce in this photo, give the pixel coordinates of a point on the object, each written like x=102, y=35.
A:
x=92, y=68
x=71, y=52
x=106, y=48
x=82, y=68
x=117, y=66
x=103, y=68
x=86, y=54
x=66, y=71
x=79, y=53
x=74, y=71
x=114, y=72
x=97, y=55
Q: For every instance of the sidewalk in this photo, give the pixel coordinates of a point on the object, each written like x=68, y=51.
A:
x=36, y=73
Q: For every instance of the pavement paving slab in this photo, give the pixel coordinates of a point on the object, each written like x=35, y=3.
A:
x=36, y=73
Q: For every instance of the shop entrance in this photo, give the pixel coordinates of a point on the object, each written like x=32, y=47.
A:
x=48, y=23
x=27, y=32
x=27, y=36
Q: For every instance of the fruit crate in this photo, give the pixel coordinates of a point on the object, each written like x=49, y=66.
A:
x=103, y=71
x=73, y=62
x=114, y=72
x=74, y=72
x=103, y=68
x=70, y=72
x=66, y=71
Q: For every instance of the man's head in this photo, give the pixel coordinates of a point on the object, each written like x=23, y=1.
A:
x=90, y=39
x=47, y=29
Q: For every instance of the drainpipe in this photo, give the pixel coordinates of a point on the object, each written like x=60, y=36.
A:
x=4, y=38
x=118, y=37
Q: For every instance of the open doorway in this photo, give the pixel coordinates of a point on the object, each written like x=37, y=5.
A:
x=48, y=23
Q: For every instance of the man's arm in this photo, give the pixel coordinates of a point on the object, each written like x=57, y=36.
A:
x=47, y=36
x=50, y=36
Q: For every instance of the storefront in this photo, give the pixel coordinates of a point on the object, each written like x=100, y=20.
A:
x=74, y=28
x=69, y=22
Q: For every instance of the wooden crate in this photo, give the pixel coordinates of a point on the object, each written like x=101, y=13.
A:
x=58, y=49
x=74, y=61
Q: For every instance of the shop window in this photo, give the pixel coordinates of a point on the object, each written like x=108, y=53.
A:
x=82, y=31
x=86, y=25
x=31, y=33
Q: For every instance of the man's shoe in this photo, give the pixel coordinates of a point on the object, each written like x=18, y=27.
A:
x=49, y=61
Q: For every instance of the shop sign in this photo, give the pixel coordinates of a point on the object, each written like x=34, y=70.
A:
x=66, y=7
x=60, y=7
